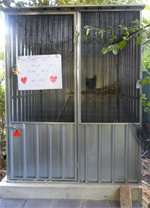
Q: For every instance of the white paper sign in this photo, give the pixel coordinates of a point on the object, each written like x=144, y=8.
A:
x=39, y=72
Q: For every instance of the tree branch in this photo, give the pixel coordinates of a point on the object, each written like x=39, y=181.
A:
x=130, y=35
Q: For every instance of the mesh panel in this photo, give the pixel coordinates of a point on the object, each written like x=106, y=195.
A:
x=108, y=82
x=41, y=35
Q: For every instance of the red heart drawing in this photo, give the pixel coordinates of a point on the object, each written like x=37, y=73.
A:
x=23, y=80
x=53, y=79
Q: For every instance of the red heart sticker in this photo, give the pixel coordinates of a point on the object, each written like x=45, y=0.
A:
x=23, y=80
x=53, y=79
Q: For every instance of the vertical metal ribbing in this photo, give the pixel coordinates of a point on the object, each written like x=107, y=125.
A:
x=77, y=45
x=86, y=155
x=100, y=153
x=10, y=72
x=24, y=154
x=127, y=154
x=11, y=150
x=16, y=55
x=113, y=130
x=50, y=150
x=63, y=151
x=75, y=51
x=37, y=151
x=111, y=70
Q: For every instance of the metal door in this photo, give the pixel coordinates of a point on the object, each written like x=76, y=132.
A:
x=42, y=123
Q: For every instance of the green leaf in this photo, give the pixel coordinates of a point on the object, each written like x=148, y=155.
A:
x=87, y=31
x=142, y=31
x=141, y=25
x=145, y=82
x=111, y=47
x=147, y=7
x=109, y=28
x=115, y=49
x=143, y=96
x=140, y=40
x=148, y=104
x=87, y=27
x=126, y=34
x=111, y=41
x=114, y=36
x=124, y=38
x=85, y=34
x=105, y=50
x=122, y=44
x=99, y=34
x=145, y=21
x=76, y=36
x=122, y=26
x=143, y=102
x=135, y=21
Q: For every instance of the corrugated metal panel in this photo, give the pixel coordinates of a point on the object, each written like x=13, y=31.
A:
x=115, y=97
x=43, y=151
x=109, y=153
x=41, y=35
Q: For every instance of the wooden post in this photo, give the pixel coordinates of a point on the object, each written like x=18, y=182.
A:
x=125, y=197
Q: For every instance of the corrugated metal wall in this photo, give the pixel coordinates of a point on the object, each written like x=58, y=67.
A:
x=115, y=97
x=44, y=151
x=109, y=153
x=41, y=35
x=106, y=153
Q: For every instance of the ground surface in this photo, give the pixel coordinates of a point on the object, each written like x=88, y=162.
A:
x=57, y=203
x=145, y=171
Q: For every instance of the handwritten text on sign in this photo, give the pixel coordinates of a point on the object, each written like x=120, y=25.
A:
x=39, y=72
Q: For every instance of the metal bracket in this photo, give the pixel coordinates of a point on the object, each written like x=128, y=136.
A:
x=16, y=126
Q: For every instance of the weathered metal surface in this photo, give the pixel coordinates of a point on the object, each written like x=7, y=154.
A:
x=41, y=35
x=114, y=97
x=108, y=153
x=43, y=151
x=51, y=144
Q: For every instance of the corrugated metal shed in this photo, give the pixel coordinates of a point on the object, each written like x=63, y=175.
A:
x=84, y=132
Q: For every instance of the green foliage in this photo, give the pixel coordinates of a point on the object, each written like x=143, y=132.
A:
x=139, y=31
x=96, y=2
x=2, y=101
x=2, y=56
x=122, y=44
x=105, y=50
x=76, y=36
x=99, y=34
x=14, y=3
x=146, y=57
x=147, y=7
x=146, y=80
x=2, y=98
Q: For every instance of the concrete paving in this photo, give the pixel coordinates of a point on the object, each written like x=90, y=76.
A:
x=59, y=203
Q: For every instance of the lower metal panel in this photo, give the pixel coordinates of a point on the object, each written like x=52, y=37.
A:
x=43, y=151
x=109, y=153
